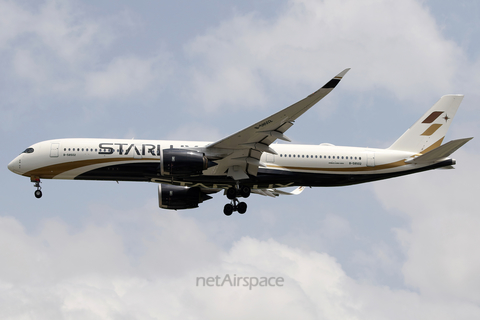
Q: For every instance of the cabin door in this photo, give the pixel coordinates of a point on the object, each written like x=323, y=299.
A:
x=54, y=150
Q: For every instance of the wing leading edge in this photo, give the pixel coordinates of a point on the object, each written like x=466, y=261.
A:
x=241, y=151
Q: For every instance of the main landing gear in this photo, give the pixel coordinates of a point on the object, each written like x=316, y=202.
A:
x=38, y=192
x=235, y=205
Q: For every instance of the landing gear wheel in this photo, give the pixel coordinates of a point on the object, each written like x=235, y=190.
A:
x=242, y=207
x=36, y=184
x=38, y=194
x=228, y=209
x=245, y=191
x=231, y=193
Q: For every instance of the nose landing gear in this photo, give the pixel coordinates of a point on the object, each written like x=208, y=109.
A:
x=38, y=192
x=232, y=194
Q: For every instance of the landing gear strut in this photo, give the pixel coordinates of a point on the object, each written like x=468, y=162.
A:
x=38, y=192
x=232, y=194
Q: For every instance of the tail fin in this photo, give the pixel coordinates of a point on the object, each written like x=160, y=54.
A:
x=428, y=132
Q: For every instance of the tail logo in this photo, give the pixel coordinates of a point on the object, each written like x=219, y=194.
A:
x=434, y=127
x=431, y=130
x=433, y=116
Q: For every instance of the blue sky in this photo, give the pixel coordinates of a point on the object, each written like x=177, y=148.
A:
x=403, y=248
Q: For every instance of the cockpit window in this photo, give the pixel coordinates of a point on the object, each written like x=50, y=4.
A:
x=28, y=150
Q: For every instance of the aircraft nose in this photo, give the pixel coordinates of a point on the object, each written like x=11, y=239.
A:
x=13, y=165
x=10, y=165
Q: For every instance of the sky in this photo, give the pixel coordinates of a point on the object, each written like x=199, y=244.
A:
x=405, y=248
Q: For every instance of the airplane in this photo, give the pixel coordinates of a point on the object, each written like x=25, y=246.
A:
x=188, y=172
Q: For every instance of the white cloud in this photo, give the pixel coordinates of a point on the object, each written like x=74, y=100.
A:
x=390, y=45
x=62, y=28
x=57, y=49
x=14, y=21
x=380, y=258
x=195, y=131
x=334, y=227
x=56, y=273
x=125, y=76
x=442, y=257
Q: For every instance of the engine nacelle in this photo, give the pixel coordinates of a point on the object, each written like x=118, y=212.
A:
x=181, y=162
x=178, y=197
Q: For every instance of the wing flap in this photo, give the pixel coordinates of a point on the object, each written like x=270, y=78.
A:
x=276, y=192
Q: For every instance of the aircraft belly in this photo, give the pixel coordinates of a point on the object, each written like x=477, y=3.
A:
x=268, y=177
x=264, y=179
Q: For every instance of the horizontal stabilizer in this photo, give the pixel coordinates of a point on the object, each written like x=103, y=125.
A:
x=440, y=152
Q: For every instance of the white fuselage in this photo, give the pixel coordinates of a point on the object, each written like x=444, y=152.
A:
x=139, y=160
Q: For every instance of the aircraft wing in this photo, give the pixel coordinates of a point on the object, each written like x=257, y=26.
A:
x=241, y=151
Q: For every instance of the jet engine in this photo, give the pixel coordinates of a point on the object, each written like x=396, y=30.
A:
x=178, y=197
x=182, y=162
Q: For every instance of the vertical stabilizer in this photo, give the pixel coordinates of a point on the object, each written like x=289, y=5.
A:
x=428, y=132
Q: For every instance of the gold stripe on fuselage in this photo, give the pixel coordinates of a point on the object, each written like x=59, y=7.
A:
x=49, y=172
x=356, y=169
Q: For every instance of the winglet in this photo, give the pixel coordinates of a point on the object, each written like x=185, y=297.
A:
x=342, y=74
x=333, y=83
